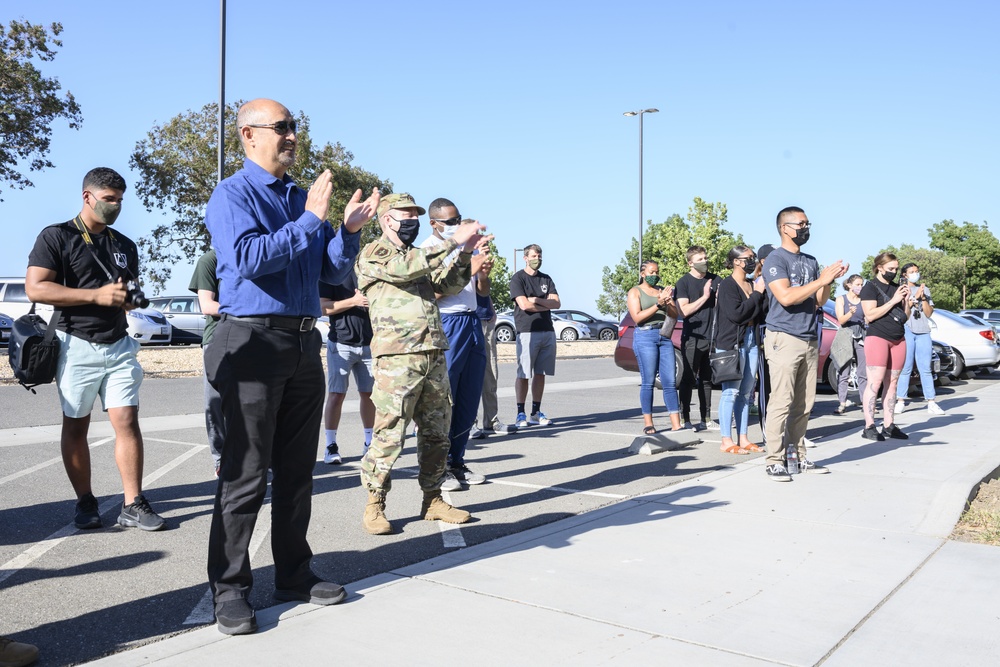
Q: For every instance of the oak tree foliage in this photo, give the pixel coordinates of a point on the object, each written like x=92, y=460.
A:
x=29, y=101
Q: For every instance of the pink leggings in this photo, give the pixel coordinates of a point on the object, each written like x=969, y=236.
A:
x=882, y=353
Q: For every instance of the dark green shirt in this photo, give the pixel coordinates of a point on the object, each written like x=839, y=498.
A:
x=204, y=278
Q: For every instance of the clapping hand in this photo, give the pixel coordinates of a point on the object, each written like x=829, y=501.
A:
x=358, y=212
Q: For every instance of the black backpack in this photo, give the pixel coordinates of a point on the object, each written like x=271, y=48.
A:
x=34, y=349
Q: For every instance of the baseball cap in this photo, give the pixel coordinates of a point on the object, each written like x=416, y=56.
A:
x=398, y=200
x=764, y=251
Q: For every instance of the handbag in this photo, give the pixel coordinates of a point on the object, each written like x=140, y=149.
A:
x=727, y=365
x=667, y=328
x=33, y=350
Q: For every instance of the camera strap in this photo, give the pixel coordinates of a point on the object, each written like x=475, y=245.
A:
x=90, y=245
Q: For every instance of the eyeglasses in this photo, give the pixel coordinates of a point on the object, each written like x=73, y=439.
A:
x=450, y=221
x=282, y=127
x=798, y=225
x=751, y=258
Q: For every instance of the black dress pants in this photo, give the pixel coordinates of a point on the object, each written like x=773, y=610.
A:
x=272, y=387
x=697, y=372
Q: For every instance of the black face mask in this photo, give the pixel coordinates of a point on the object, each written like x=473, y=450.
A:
x=801, y=236
x=749, y=266
x=889, y=276
x=408, y=230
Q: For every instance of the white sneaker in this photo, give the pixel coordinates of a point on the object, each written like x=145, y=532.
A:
x=521, y=420
x=539, y=418
x=497, y=427
x=450, y=483
x=901, y=407
x=711, y=425
x=476, y=433
x=935, y=409
x=332, y=456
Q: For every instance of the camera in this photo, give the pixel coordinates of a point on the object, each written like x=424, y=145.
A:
x=134, y=296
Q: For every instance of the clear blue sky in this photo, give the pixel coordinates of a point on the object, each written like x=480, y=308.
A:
x=878, y=118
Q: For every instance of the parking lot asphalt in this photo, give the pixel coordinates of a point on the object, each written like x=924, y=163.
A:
x=80, y=595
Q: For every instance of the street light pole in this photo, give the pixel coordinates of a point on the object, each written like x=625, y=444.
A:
x=516, y=250
x=641, y=222
x=222, y=91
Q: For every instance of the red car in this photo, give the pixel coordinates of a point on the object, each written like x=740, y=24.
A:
x=625, y=356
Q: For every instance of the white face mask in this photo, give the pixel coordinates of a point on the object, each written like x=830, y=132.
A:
x=447, y=231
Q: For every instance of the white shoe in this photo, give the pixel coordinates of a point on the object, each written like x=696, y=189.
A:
x=935, y=409
x=901, y=407
x=476, y=433
x=497, y=427
x=711, y=425
x=332, y=456
x=539, y=418
x=450, y=483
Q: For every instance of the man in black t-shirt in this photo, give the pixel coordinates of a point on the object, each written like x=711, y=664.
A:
x=534, y=295
x=695, y=296
x=87, y=272
x=348, y=350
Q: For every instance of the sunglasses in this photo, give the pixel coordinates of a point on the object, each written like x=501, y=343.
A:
x=282, y=127
x=450, y=221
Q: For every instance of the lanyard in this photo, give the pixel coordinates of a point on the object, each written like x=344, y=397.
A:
x=90, y=244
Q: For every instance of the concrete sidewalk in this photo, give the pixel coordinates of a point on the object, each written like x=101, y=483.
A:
x=851, y=568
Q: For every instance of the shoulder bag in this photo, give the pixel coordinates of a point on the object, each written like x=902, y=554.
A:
x=33, y=350
x=727, y=366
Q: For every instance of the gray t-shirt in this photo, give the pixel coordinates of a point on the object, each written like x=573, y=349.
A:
x=917, y=322
x=798, y=320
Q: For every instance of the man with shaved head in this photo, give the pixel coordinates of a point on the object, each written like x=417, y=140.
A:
x=274, y=245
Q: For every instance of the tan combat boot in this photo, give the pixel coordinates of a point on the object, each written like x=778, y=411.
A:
x=375, y=521
x=436, y=509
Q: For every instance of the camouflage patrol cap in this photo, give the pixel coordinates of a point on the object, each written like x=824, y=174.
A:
x=398, y=200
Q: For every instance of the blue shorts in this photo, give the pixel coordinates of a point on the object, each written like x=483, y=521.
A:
x=341, y=361
x=87, y=370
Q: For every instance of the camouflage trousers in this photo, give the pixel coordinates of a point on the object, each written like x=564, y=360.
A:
x=409, y=386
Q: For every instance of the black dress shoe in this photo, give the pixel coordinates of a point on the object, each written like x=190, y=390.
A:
x=893, y=432
x=235, y=617
x=316, y=592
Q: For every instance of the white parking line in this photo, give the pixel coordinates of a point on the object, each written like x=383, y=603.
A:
x=45, y=464
x=557, y=489
x=451, y=533
x=37, y=550
x=204, y=611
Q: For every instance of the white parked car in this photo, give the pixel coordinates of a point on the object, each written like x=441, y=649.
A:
x=146, y=325
x=975, y=345
x=565, y=329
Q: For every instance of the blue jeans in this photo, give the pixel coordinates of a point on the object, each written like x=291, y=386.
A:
x=738, y=394
x=655, y=353
x=919, y=348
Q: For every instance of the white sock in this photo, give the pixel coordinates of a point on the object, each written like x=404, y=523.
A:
x=368, y=436
x=331, y=436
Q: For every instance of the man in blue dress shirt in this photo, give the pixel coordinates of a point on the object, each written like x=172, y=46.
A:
x=274, y=245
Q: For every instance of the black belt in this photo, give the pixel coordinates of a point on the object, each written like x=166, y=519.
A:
x=301, y=324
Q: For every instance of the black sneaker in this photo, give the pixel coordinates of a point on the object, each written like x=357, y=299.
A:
x=805, y=465
x=315, y=592
x=778, y=473
x=466, y=476
x=872, y=433
x=892, y=431
x=235, y=617
x=140, y=515
x=87, y=514
x=332, y=455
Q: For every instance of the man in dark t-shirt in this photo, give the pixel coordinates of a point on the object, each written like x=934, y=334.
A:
x=348, y=350
x=696, y=299
x=88, y=273
x=205, y=283
x=795, y=288
x=534, y=295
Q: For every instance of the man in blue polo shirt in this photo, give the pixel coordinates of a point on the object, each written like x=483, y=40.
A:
x=274, y=245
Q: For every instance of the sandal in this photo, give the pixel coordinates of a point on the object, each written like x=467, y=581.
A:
x=752, y=448
x=649, y=430
x=735, y=449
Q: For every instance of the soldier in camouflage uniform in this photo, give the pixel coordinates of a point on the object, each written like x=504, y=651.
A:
x=411, y=376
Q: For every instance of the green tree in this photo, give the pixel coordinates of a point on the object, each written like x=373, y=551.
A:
x=500, y=280
x=978, y=250
x=667, y=243
x=941, y=272
x=177, y=164
x=29, y=102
